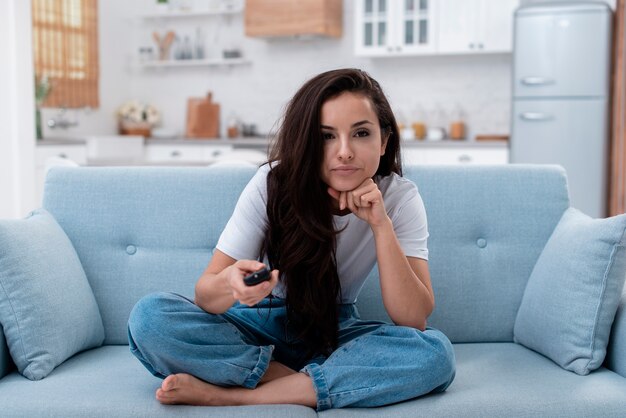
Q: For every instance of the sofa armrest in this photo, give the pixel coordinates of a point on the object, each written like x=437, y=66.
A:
x=616, y=350
x=6, y=363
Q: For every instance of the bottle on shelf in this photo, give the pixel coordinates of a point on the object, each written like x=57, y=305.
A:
x=199, y=48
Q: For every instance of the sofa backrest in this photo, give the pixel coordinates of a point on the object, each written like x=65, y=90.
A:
x=139, y=230
x=487, y=225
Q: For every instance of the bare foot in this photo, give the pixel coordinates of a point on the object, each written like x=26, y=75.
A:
x=296, y=388
x=189, y=390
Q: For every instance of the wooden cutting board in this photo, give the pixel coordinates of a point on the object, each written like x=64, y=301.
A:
x=203, y=118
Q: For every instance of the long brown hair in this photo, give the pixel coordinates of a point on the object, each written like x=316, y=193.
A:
x=301, y=239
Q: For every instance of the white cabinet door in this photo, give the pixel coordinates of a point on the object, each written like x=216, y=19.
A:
x=475, y=26
x=184, y=154
x=173, y=153
x=372, y=22
x=412, y=156
x=433, y=155
x=437, y=156
x=415, y=22
x=495, y=25
x=457, y=25
x=394, y=27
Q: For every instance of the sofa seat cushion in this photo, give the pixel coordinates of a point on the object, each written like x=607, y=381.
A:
x=109, y=382
x=509, y=380
x=493, y=379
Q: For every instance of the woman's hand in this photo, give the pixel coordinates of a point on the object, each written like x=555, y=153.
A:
x=248, y=295
x=366, y=202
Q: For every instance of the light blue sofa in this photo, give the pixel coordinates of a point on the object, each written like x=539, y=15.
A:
x=146, y=229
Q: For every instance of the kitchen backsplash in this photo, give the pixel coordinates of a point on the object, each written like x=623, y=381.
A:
x=256, y=93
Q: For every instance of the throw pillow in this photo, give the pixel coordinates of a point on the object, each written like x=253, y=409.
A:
x=573, y=292
x=47, y=308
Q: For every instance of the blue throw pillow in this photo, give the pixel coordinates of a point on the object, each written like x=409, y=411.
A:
x=573, y=292
x=47, y=308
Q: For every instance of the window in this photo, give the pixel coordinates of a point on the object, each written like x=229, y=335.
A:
x=65, y=47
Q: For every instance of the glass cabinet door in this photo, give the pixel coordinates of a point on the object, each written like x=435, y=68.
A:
x=374, y=25
x=416, y=24
x=394, y=27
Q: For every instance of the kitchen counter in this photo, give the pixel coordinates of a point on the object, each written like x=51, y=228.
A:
x=248, y=142
x=263, y=142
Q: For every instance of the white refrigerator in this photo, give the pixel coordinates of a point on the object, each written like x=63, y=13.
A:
x=561, y=82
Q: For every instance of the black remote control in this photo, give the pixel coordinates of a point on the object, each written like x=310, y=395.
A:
x=257, y=277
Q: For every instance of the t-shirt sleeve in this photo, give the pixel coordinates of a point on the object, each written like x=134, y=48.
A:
x=409, y=221
x=243, y=235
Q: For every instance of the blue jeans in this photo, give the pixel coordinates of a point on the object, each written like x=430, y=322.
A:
x=375, y=364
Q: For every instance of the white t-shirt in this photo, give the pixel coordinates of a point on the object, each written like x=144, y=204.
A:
x=244, y=233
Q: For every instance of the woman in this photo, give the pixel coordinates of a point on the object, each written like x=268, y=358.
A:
x=329, y=205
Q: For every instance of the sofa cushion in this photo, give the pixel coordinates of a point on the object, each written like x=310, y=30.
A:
x=574, y=290
x=486, y=233
x=109, y=382
x=508, y=380
x=139, y=230
x=493, y=380
x=47, y=309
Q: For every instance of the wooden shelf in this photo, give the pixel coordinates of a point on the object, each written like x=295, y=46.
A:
x=195, y=63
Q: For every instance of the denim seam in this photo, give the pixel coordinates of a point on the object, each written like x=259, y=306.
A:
x=365, y=389
x=260, y=368
x=320, y=385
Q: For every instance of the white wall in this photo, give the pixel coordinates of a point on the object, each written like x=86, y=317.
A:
x=17, y=133
x=257, y=93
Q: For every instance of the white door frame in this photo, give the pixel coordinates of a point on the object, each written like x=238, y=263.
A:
x=17, y=104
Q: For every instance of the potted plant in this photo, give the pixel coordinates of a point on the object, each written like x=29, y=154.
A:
x=136, y=118
x=42, y=90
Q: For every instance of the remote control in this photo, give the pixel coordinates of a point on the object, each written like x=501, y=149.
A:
x=257, y=277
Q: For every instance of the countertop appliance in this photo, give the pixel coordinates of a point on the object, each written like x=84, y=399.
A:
x=561, y=81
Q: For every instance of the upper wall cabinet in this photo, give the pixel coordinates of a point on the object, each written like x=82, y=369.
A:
x=280, y=18
x=394, y=27
x=475, y=26
x=385, y=28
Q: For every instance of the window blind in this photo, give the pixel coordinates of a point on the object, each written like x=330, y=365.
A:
x=65, y=47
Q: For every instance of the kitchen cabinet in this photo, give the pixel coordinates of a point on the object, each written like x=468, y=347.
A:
x=475, y=26
x=394, y=27
x=275, y=18
x=183, y=154
x=426, y=154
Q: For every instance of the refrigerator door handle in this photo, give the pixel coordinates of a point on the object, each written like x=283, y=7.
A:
x=535, y=116
x=537, y=81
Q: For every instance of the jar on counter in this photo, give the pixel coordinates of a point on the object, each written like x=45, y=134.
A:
x=232, y=127
x=457, y=123
x=419, y=124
